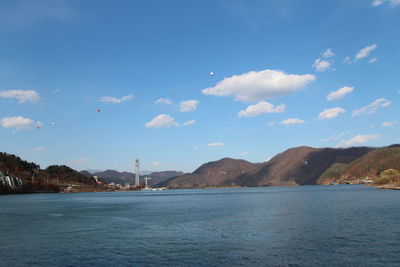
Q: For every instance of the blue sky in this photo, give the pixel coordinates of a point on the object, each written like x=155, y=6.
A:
x=285, y=73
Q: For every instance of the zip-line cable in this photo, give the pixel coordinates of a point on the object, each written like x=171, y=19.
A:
x=103, y=113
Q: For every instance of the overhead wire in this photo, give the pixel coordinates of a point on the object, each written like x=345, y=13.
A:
x=212, y=74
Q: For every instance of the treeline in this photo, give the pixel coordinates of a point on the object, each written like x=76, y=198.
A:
x=51, y=179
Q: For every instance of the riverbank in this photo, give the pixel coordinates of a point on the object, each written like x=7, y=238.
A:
x=388, y=186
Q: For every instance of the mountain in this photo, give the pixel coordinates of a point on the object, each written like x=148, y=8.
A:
x=91, y=171
x=158, y=177
x=299, y=166
x=116, y=176
x=86, y=173
x=373, y=163
x=296, y=166
x=128, y=177
x=216, y=173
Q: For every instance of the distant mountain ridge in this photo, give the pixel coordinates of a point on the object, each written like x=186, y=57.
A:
x=296, y=166
x=128, y=177
x=216, y=173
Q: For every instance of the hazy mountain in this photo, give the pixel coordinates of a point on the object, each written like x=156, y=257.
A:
x=86, y=173
x=128, y=177
x=116, y=176
x=93, y=170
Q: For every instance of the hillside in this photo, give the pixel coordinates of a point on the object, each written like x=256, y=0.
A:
x=116, y=176
x=216, y=173
x=373, y=163
x=296, y=166
x=35, y=179
x=158, y=177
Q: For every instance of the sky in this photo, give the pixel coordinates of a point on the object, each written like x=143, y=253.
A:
x=98, y=84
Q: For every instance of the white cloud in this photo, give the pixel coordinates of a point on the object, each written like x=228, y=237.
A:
x=328, y=53
x=22, y=96
x=372, y=60
x=215, y=145
x=387, y=124
x=365, y=52
x=188, y=105
x=156, y=163
x=339, y=93
x=163, y=101
x=291, y=121
x=245, y=153
x=57, y=90
x=162, y=121
x=187, y=123
x=109, y=99
x=380, y=2
x=347, y=60
x=26, y=14
x=195, y=147
x=331, y=113
x=321, y=65
x=260, y=108
x=79, y=161
x=40, y=148
x=372, y=108
x=256, y=86
x=334, y=137
x=359, y=139
x=328, y=138
x=272, y=123
x=17, y=122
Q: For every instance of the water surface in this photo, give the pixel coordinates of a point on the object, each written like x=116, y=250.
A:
x=304, y=226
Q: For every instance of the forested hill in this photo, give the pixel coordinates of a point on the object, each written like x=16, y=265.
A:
x=295, y=166
x=36, y=179
x=373, y=163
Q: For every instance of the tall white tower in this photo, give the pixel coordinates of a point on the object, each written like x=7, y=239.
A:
x=137, y=173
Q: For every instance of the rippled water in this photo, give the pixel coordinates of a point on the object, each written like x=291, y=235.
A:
x=308, y=225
